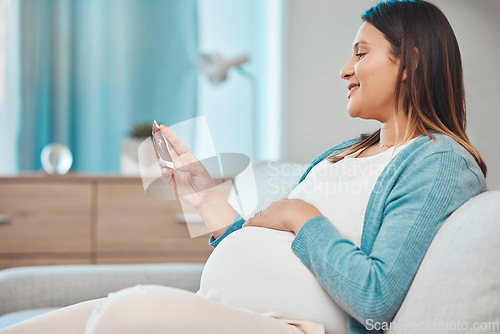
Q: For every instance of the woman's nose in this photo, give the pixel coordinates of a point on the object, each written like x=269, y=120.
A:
x=347, y=71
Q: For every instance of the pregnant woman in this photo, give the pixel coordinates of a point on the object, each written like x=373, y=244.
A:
x=343, y=248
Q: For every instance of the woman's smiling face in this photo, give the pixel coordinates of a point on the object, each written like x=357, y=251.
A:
x=372, y=75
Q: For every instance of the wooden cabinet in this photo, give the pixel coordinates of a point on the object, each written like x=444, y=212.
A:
x=90, y=219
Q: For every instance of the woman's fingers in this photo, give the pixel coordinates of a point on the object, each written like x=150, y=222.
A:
x=249, y=222
x=189, y=163
x=175, y=142
x=184, y=159
x=168, y=176
x=255, y=220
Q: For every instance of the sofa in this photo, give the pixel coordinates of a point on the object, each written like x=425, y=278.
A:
x=456, y=289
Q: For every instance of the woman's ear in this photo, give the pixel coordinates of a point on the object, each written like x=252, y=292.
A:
x=416, y=60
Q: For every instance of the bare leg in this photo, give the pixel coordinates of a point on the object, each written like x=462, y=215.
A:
x=66, y=320
x=156, y=309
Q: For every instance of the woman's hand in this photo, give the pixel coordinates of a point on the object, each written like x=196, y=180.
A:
x=194, y=186
x=190, y=181
x=286, y=215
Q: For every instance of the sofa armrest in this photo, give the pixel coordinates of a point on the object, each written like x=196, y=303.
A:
x=25, y=288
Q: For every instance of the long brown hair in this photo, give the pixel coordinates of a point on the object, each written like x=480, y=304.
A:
x=433, y=93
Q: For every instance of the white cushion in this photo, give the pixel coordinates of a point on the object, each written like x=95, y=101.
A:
x=263, y=183
x=275, y=180
x=457, y=286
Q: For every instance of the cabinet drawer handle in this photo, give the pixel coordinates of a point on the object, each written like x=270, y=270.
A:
x=188, y=217
x=4, y=219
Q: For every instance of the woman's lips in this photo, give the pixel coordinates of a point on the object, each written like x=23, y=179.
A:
x=352, y=89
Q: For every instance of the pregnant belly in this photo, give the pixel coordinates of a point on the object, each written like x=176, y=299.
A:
x=255, y=269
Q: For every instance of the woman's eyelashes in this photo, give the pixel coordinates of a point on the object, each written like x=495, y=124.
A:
x=360, y=55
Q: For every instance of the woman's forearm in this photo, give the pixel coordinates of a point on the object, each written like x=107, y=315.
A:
x=216, y=213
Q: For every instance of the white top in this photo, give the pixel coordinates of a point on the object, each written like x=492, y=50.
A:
x=341, y=190
x=255, y=269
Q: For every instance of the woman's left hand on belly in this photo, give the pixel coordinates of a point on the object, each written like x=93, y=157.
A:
x=286, y=215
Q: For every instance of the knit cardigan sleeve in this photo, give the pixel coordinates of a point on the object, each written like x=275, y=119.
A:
x=371, y=283
x=236, y=225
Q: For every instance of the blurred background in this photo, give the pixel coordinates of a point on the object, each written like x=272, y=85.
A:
x=85, y=73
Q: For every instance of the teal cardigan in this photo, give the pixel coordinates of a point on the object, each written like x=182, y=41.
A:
x=413, y=196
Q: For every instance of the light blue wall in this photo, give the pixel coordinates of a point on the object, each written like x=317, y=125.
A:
x=233, y=28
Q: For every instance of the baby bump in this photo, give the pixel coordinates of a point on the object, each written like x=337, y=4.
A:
x=255, y=269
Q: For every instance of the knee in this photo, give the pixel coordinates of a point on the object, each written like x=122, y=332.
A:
x=140, y=309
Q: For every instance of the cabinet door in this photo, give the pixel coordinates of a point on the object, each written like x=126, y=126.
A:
x=45, y=218
x=134, y=228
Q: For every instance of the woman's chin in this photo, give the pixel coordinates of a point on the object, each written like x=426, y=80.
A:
x=353, y=112
x=356, y=112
